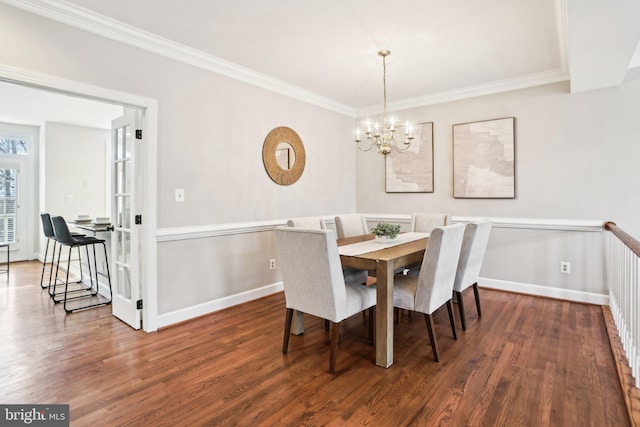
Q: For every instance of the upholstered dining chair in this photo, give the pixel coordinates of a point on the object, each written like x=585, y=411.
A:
x=474, y=245
x=351, y=225
x=314, y=283
x=425, y=222
x=308, y=222
x=351, y=275
x=433, y=287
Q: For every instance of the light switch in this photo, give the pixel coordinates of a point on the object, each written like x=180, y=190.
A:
x=179, y=194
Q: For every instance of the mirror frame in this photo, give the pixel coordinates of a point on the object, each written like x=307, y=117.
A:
x=271, y=142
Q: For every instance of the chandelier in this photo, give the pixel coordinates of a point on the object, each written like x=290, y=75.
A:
x=384, y=135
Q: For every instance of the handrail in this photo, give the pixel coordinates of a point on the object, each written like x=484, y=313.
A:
x=626, y=238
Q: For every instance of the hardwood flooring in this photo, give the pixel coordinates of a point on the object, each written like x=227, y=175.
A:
x=527, y=362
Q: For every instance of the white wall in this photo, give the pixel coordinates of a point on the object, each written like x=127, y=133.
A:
x=576, y=158
x=75, y=163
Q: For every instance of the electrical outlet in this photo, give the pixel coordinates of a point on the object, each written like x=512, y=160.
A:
x=272, y=264
x=179, y=195
x=565, y=267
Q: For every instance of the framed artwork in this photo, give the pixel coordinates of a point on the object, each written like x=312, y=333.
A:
x=411, y=171
x=484, y=159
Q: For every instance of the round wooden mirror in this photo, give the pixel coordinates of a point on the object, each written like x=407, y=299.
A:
x=283, y=155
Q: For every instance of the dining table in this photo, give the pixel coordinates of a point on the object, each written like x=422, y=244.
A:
x=382, y=260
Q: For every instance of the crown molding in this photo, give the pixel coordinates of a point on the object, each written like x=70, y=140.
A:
x=66, y=13
x=521, y=82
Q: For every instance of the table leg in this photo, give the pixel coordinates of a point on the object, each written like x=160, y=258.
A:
x=384, y=314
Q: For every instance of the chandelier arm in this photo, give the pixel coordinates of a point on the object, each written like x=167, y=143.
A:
x=402, y=150
x=371, y=144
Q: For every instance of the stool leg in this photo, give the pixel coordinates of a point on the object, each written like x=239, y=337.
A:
x=106, y=263
x=44, y=264
x=55, y=279
x=53, y=259
x=66, y=282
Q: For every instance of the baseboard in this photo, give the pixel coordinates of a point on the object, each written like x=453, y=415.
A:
x=188, y=313
x=216, y=305
x=545, y=291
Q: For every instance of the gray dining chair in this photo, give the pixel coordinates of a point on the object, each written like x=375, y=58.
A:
x=314, y=283
x=351, y=275
x=351, y=225
x=433, y=287
x=425, y=222
x=474, y=245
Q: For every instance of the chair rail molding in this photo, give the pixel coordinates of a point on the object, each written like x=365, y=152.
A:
x=169, y=234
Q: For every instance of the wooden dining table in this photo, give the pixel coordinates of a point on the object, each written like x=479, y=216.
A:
x=383, y=263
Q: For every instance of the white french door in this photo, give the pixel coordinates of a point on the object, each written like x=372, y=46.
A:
x=125, y=275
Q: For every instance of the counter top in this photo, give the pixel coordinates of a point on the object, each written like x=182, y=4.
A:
x=91, y=226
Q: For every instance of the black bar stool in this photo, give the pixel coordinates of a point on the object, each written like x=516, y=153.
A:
x=47, y=229
x=64, y=238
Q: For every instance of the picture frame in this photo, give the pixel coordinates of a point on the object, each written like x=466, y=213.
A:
x=484, y=159
x=411, y=171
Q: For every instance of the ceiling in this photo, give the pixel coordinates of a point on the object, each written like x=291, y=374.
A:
x=327, y=51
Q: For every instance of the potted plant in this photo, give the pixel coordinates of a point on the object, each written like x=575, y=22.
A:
x=385, y=232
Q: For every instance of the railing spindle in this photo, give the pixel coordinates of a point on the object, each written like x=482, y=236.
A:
x=623, y=277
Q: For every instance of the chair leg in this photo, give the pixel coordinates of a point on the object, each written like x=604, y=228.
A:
x=453, y=322
x=287, y=330
x=335, y=341
x=463, y=321
x=477, y=294
x=371, y=325
x=432, y=336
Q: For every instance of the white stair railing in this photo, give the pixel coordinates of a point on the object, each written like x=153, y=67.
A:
x=623, y=255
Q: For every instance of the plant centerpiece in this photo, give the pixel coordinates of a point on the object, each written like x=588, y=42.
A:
x=385, y=232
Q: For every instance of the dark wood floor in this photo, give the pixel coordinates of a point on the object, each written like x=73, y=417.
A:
x=528, y=362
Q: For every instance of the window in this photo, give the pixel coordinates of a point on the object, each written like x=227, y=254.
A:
x=8, y=204
x=10, y=145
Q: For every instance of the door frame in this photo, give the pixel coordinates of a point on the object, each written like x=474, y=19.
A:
x=148, y=271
